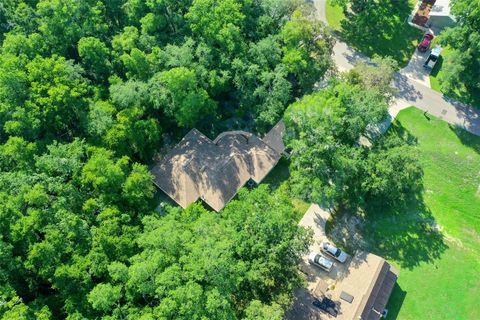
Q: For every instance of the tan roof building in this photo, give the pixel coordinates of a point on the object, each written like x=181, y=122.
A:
x=370, y=281
x=360, y=288
x=214, y=171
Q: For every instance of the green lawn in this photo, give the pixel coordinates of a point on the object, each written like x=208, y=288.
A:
x=471, y=98
x=381, y=30
x=435, y=242
x=334, y=16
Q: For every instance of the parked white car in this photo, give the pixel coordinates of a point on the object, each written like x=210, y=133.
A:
x=334, y=252
x=320, y=261
x=432, y=58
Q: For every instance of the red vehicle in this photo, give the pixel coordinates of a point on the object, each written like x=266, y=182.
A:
x=425, y=43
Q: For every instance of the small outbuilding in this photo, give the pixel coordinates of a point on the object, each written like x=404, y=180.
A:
x=440, y=16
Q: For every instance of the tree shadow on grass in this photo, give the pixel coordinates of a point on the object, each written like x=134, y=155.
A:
x=399, y=130
x=405, y=232
x=408, y=235
x=468, y=139
x=381, y=28
x=395, y=303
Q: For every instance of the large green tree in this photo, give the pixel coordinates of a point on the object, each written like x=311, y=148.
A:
x=43, y=98
x=180, y=94
x=329, y=162
x=197, y=264
x=460, y=68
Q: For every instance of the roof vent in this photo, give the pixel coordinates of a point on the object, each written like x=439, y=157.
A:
x=346, y=296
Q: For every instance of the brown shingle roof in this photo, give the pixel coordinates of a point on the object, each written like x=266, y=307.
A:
x=214, y=170
x=370, y=280
x=274, y=138
x=382, y=289
x=377, y=294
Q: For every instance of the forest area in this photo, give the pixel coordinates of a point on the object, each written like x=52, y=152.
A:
x=90, y=92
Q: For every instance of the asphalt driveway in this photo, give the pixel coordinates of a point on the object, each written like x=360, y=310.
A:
x=413, y=90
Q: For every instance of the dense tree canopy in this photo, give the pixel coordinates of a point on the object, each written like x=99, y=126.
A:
x=89, y=92
x=170, y=65
x=329, y=162
x=462, y=65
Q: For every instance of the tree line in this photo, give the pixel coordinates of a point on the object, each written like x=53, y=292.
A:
x=462, y=65
x=89, y=92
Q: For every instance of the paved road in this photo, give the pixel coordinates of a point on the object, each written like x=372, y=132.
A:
x=410, y=92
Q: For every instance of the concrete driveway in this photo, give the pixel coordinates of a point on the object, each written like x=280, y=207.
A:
x=315, y=219
x=415, y=70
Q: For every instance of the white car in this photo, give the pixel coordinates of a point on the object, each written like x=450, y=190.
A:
x=320, y=261
x=334, y=252
x=432, y=58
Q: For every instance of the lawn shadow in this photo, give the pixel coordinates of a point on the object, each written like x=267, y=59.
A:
x=405, y=232
x=381, y=28
x=399, y=130
x=468, y=139
x=408, y=234
x=395, y=303
x=279, y=174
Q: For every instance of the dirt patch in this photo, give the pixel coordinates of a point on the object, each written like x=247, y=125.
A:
x=472, y=234
x=421, y=16
x=449, y=238
x=345, y=231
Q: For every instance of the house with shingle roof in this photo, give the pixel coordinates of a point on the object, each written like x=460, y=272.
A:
x=214, y=171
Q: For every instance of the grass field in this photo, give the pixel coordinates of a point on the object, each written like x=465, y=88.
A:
x=381, y=30
x=435, y=242
x=471, y=98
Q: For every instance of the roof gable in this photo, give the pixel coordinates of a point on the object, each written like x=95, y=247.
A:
x=214, y=171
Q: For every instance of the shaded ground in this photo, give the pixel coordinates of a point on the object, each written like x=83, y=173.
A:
x=278, y=177
x=469, y=97
x=435, y=241
x=381, y=29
